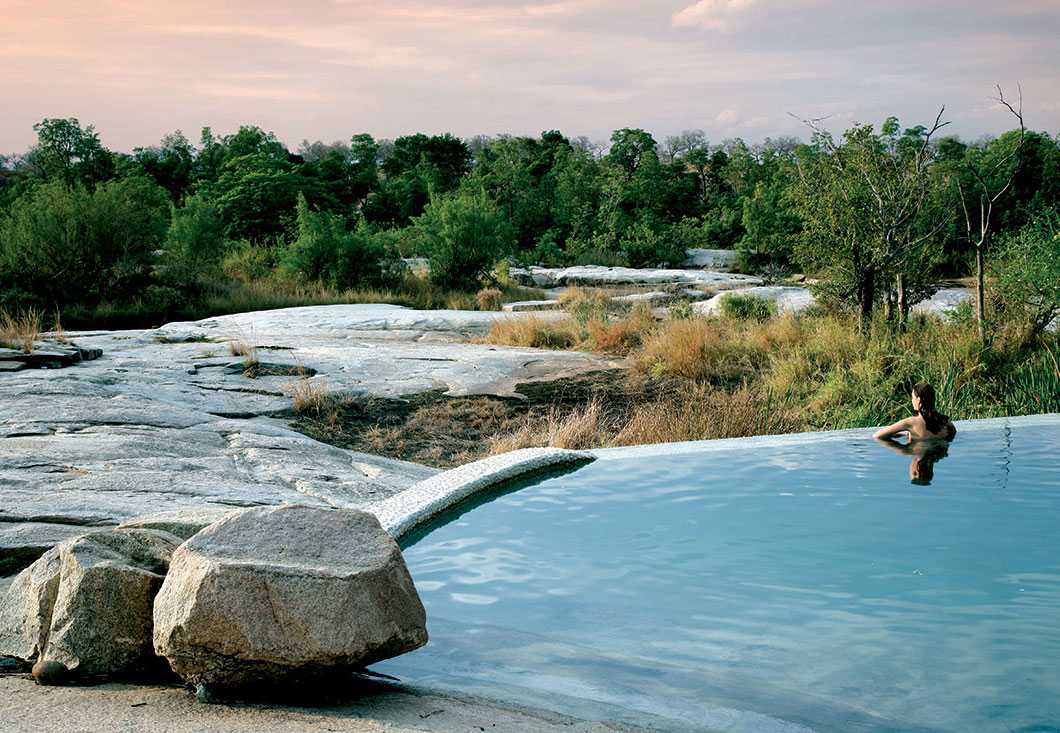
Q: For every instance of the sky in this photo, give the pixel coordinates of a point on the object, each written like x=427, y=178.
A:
x=326, y=69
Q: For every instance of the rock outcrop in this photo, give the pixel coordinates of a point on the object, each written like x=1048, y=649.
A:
x=87, y=603
x=722, y=260
x=787, y=299
x=169, y=419
x=598, y=275
x=285, y=593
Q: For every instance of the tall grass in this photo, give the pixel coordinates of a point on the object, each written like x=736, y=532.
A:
x=19, y=330
x=735, y=376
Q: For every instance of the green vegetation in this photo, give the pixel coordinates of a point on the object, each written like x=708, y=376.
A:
x=239, y=221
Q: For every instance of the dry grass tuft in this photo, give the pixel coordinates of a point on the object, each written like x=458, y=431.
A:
x=20, y=330
x=533, y=332
x=312, y=398
x=489, y=299
x=580, y=429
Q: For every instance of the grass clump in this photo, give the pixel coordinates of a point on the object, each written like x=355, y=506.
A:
x=19, y=330
x=747, y=307
x=489, y=299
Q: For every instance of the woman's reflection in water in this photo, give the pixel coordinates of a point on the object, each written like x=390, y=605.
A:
x=924, y=454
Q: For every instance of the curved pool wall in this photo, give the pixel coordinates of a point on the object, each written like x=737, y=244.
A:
x=572, y=675
x=418, y=506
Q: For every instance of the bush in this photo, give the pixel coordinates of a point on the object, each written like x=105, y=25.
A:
x=248, y=263
x=747, y=307
x=194, y=246
x=327, y=252
x=66, y=244
x=1027, y=271
x=464, y=235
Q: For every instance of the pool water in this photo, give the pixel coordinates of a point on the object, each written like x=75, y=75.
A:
x=773, y=586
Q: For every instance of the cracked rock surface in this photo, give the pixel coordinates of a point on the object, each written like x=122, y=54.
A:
x=166, y=420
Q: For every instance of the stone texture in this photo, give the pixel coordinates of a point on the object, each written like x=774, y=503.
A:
x=722, y=260
x=165, y=420
x=87, y=603
x=285, y=593
x=521, y=306
x=654, y=297
x=605, y=276
x=787, y=299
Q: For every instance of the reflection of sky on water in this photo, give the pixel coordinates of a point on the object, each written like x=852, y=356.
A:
x=802, y=585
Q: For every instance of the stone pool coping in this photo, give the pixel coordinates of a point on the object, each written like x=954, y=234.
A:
x=418, y=505
x=415, y=506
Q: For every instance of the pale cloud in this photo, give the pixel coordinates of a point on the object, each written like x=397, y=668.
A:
x=718, y=15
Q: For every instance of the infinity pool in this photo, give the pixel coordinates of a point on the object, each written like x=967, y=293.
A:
x=772, y=585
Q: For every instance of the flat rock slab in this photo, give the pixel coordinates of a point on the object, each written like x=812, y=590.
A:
x=607, y=276
x=46, y=355
x=793, y=299
x=166, y=420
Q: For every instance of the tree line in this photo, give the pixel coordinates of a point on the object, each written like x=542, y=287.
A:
x=879, y=214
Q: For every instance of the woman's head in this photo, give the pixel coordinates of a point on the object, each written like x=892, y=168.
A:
x=923, y=398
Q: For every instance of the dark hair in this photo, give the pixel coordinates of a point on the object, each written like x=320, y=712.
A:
x=934, y=419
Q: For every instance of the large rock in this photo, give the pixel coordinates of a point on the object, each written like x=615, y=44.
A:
x=787, y=299
x=598, y=275
x=723, y=260
x=286, y=593
x=87, y=603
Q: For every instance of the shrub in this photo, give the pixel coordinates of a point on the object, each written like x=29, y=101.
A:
x=67, y=244
x=747, y=307
x=250, y=263
x=194, y=245
x=326, y=251
x=464, y=235
x=1027, y=271
x=585, y=304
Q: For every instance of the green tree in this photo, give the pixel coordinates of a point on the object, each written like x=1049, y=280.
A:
x=194, y=246
x=327, y=252
x=66, y=152
x=465, y=234
x=1026, y=268
x=171, y=164
x=68, y=244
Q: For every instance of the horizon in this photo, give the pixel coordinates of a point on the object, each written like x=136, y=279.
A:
x=333, y=68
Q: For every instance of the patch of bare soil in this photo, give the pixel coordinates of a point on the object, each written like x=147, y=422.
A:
x=440, y=431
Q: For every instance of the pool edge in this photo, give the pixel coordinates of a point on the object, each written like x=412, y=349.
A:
x=423, y=501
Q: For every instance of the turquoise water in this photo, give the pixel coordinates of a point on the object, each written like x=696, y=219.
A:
x=808, y=586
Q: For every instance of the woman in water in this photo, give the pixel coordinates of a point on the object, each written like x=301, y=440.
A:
x=927, y=424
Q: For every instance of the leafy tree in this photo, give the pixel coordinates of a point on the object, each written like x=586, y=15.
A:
x=327, y=252
x=68, y=244
x=465, y=235
x=171, y=164
x=194, y=246
x=1027, y=270
x=66, y=152
x=256, y=195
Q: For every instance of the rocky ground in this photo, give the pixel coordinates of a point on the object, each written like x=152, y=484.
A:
x=172, y=419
